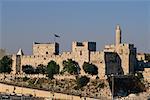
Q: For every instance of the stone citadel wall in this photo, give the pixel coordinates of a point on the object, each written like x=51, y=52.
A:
x=119, y=58
x=100, y=59
x=86, y=56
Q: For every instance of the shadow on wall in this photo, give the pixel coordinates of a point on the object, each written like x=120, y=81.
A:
x=123, y=86
x=113, y=64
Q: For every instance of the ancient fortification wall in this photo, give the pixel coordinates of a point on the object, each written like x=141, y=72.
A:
x=119, y=58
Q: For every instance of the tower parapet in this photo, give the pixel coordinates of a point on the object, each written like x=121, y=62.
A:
x=45, y=48
x=83, y=46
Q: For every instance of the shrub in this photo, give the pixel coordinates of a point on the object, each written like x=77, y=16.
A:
x=25, y=78
x=28, y=69
x=90, y=68
x=82, y=81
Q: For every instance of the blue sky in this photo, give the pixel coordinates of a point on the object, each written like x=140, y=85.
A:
x=23, y=22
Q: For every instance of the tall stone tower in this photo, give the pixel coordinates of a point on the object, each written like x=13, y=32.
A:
x=16, y=64
x=118, y=35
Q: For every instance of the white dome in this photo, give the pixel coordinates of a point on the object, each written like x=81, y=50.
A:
x=20, y=52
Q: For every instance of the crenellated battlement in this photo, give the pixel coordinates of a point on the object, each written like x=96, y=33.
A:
x=45, y=48
x=115, y=58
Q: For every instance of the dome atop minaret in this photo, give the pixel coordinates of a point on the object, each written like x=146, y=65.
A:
x=20, y=52
x=118, y=27
x=118, y=35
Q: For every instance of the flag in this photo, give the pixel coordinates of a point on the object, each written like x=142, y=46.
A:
x=56, y=35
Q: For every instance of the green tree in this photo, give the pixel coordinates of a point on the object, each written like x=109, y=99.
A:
x=71, y=67
x=90, y=68
x=5, y=64
x=40, y=69
x=28, y=69
x=52, y=68
x=82, y=81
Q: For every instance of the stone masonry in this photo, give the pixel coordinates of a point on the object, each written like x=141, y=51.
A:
x=118, y=58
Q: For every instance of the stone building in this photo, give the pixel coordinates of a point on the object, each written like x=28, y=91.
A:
x=143, y=57
x=126, y=53
x=118, y=58
x=143, y=61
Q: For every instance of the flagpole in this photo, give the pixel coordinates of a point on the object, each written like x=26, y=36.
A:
x=55, y=36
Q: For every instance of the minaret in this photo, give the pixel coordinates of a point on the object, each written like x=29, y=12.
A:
x=118, y=35
x=18, y=61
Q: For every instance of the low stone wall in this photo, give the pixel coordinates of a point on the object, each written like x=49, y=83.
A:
x=23, y=75
x=64, y=77
x=44, y=76
x=39, y=93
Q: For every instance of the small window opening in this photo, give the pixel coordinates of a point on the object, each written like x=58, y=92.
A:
x=80, y=52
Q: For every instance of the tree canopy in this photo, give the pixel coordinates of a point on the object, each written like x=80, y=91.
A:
x=90, y=68
x=28, y=69
x=71, y=67
x=5, y=65
x=52, y=68
x=40, y=69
